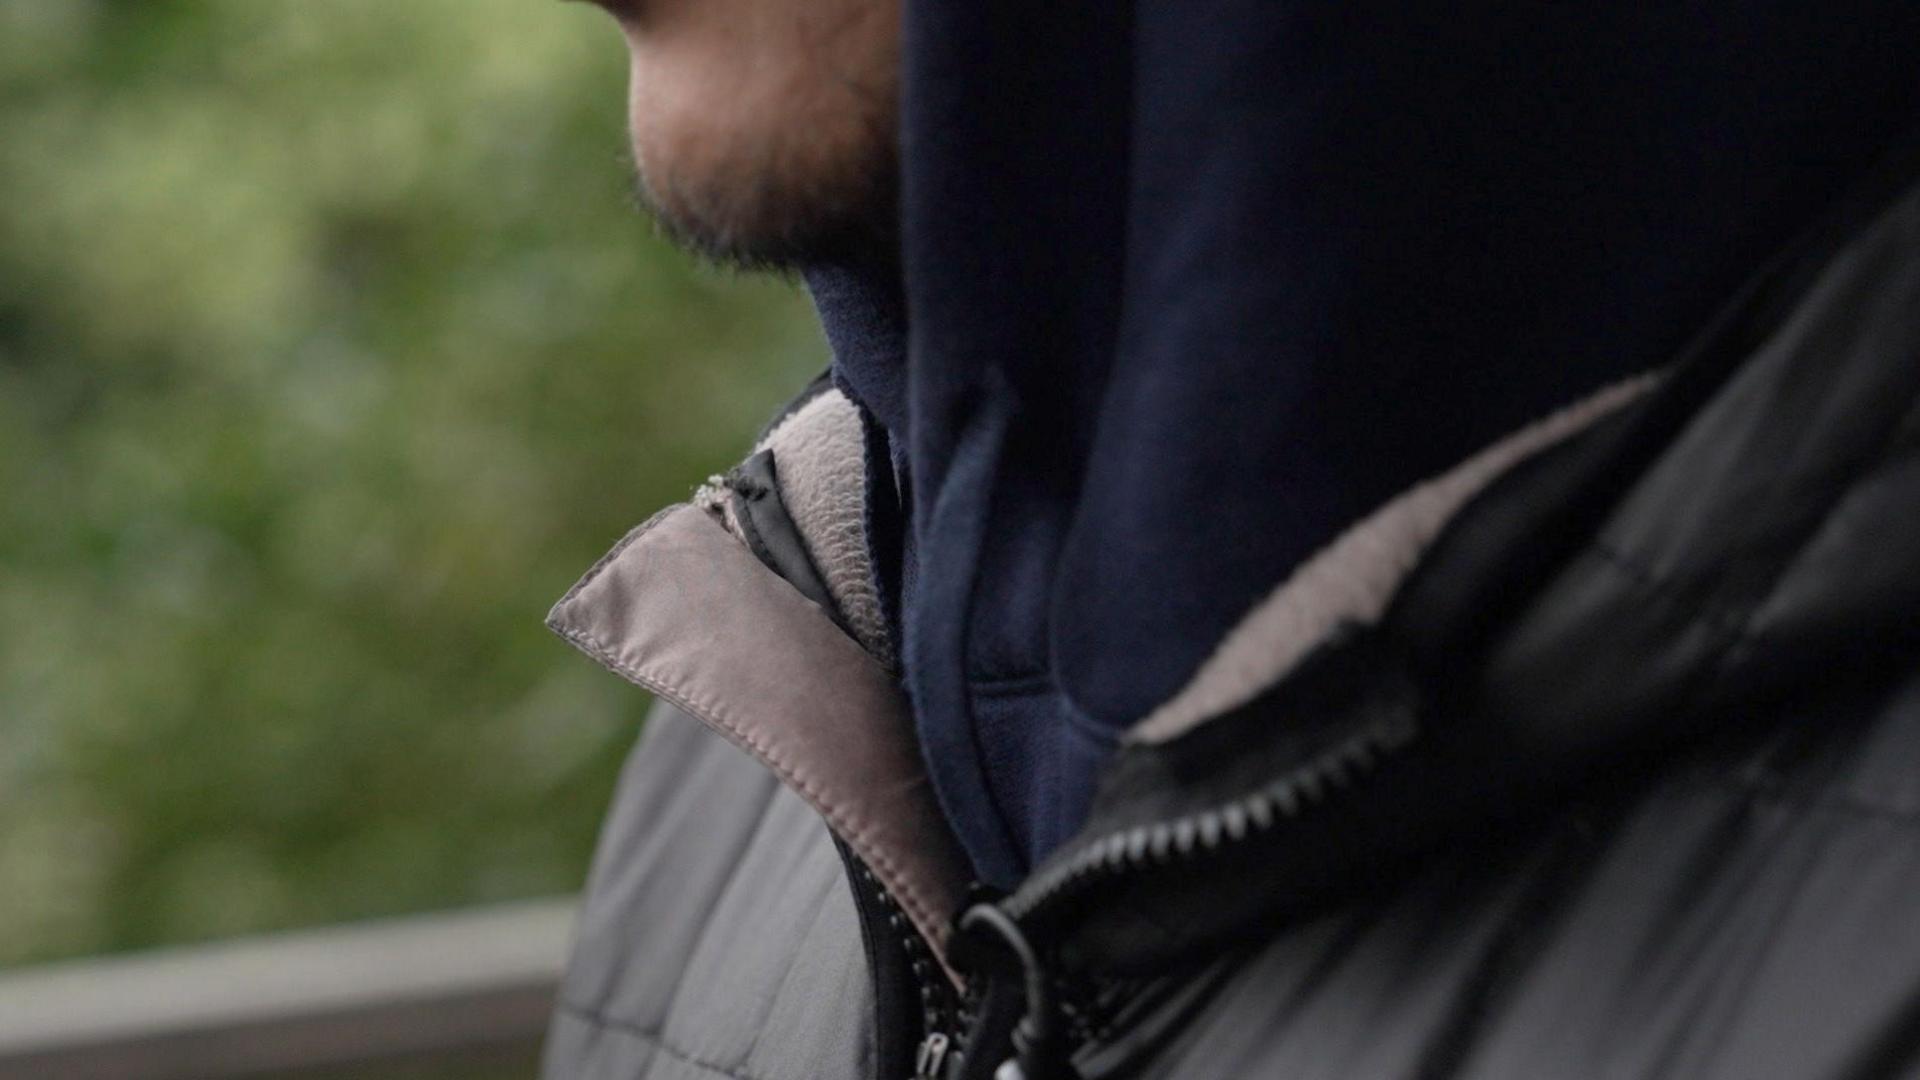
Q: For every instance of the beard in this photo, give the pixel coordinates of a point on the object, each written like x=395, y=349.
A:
x=779, y=209
x=773, y=149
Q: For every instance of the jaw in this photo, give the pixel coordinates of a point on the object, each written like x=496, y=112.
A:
x=768, y=140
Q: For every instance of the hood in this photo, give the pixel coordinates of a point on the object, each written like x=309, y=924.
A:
x=1719, y=554
x=1186, y=288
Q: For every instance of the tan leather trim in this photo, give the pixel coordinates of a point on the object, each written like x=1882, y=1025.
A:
x=685, y=611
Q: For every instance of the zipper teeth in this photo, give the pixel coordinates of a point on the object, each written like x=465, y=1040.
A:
x=1161, y=843
x=937, y=1012
x=1093, y=1010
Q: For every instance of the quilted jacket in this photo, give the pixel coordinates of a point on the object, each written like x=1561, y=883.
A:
x=1597, y=755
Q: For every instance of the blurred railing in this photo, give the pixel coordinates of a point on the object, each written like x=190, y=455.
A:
x=472, y=987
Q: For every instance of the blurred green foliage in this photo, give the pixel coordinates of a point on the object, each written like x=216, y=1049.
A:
x=331, y=352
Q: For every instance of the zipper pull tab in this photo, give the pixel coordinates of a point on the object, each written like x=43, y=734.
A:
x=1039, y=1047
x=931, y=1062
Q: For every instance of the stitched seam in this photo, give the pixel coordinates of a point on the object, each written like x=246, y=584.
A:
x=1085, y=728
x=1735, y=621
x=627, y=541
x=1734, y=625
x=1727, y=624
x=916, y=905
x=820, y=909
x=1864, y=468
x=1790, y=797
x=1011, y=684
x=1899, y=431
x=623, y=959
x=738, y=866
x=656, y=1039
x=555, y=617
x=721, y=721
x=1733, y=634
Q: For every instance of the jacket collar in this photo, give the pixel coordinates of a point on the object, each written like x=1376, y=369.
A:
x=684, y=610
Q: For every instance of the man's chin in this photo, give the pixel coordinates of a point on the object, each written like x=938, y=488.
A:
x=759, y=227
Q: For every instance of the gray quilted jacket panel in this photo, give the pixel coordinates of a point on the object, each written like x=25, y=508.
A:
x=719, y=937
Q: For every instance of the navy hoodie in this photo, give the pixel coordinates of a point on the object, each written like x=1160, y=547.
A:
x=1185, y=287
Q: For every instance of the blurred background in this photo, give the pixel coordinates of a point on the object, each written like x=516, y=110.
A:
x=332, y=350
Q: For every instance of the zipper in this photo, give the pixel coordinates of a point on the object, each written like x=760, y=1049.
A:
x=1206, y=832
x=939, y=1007
x=1013, y=931
x=944, y=1015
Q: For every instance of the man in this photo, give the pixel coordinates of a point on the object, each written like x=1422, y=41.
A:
x=1340, y=540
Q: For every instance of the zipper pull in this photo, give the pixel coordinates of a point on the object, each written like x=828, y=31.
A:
x=1039, y=1048
x=931, y=1062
